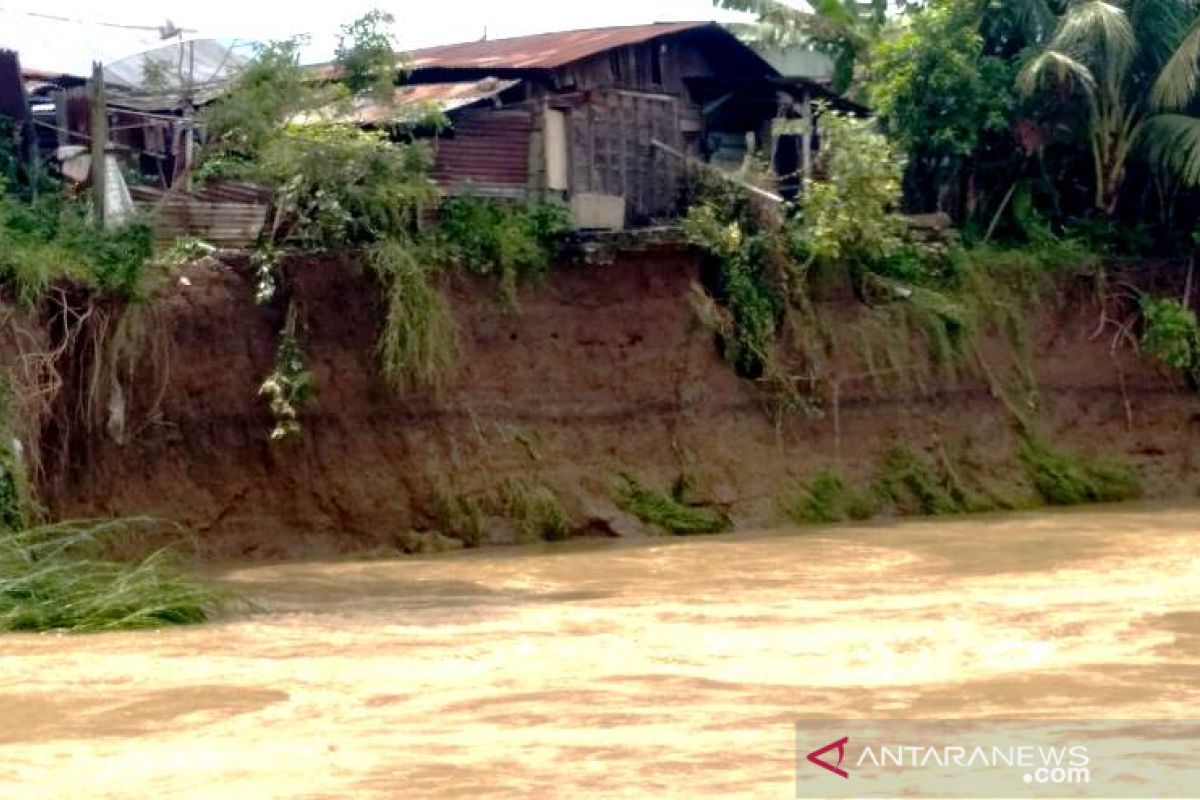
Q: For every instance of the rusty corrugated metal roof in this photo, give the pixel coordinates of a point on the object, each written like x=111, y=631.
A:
x=446, y=96
x=543, y=50
x=449, y=96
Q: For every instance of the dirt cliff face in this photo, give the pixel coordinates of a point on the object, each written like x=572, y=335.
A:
x=603, y=369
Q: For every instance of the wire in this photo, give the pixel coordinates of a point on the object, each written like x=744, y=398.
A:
x=155, y=28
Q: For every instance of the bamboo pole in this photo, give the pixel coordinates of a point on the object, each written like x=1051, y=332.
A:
x=666, y=148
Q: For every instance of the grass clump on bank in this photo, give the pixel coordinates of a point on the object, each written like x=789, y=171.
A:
x=1064, y=480
x=827, y=499
x=418, y=347
x=535, y=511
x=913, y=487
x=55, y=577
x=673, y=512
x=459, y=516
x=531, y=506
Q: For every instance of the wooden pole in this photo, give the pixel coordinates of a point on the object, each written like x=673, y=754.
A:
x=99, y=132
x=806, y=138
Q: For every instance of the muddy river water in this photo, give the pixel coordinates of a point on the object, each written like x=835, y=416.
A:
x=667, y=669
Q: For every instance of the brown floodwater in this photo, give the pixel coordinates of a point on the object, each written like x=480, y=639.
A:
x=668, y=669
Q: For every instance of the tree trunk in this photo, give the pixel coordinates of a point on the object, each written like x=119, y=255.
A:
x=1110, y=176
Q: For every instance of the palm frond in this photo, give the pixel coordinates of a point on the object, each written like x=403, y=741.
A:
x=1054, y=68
x=783, y=24
x=1175, y=86
x=1035, y=17
x=1159, y=25
x=1099, y=29
x=1172, y=143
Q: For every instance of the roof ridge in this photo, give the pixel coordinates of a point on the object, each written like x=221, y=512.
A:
x=597, y=29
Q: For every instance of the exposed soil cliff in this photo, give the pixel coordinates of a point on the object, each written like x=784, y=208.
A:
x=603, y=370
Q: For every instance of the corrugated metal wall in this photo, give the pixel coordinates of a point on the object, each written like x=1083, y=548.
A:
x=489, y=149
x=226, y=215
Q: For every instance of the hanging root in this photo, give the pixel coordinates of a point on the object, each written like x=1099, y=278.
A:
x=123, y=348
x=104, y=369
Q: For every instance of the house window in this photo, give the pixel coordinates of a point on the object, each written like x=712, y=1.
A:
x=614, y=60
x=656, y=63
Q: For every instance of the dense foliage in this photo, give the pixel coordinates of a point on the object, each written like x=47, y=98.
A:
x=1085, y=109
x=366, y=56
x=509, y=241
x=54, y=241
x=338, y=185
x=844, y=225
x=1172, y=335
x=948, y=102
x=749, y=284
x=847, y=216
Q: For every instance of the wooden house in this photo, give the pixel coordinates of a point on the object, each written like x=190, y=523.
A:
x=608, y=118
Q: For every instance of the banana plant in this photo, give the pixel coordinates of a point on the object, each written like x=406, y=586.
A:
x=845, y=30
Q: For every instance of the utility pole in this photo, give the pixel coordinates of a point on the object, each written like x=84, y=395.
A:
x=99, y=132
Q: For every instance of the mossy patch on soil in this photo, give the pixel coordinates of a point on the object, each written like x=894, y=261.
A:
x=1065, y=480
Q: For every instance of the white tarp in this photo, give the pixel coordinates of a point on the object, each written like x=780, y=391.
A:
x=118, y=205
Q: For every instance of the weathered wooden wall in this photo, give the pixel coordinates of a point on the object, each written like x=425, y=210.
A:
x=611, y=150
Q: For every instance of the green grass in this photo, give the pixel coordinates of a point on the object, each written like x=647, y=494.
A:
x=827, y=499
x=533, y=507
x=53, y=241
x=913, y=487
x=1065, y=480
x=459, y=516
x=535, y=511
x=671, y=514
x=418, y=347
x=56, y=577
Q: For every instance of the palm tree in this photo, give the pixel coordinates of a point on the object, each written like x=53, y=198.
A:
x=1135, y=65
x=1173, y=138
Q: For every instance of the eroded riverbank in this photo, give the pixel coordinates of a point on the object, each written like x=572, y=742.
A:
x=669, y=669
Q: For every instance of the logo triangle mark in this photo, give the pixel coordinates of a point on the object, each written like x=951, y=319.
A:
x=836, y=769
